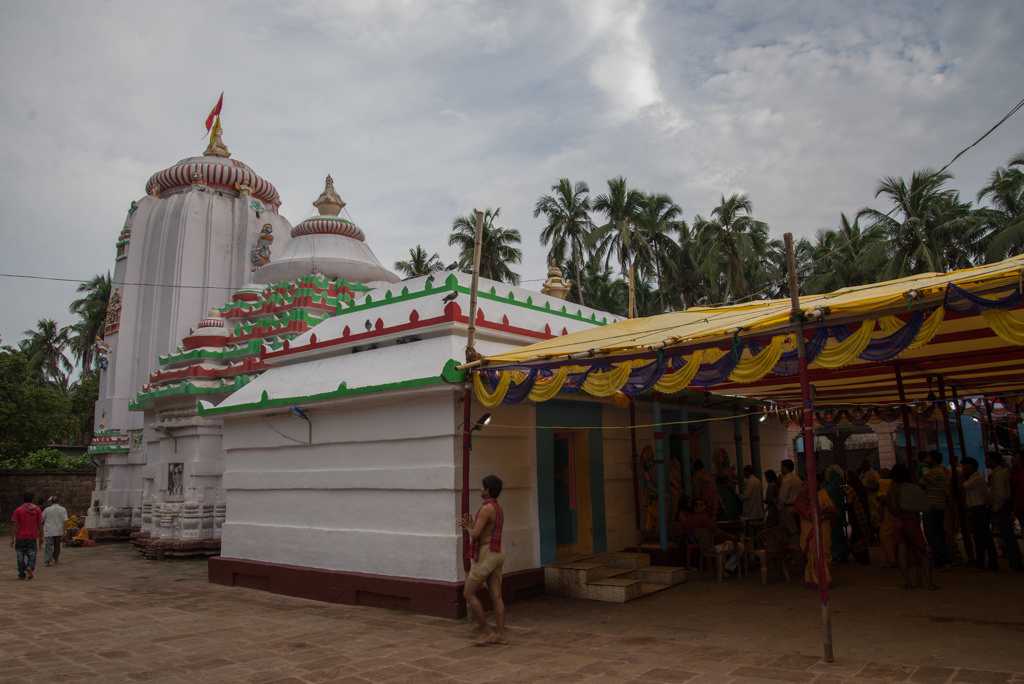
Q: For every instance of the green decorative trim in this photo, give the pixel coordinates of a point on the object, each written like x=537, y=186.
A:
x=300, y=287
x=451, y=284
x=186, y=388
x=112, y=432
x=448, y=375
x=106, y=449
x=279, y=321
x=451, y=373
x=250, y=348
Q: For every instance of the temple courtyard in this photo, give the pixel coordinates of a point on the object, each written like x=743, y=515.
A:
x=107, y=615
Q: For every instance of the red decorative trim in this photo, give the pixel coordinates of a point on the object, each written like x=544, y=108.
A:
x=452, y=314
x=251, y=364
x=201, y=170
x=431, y=597
x=195, y=341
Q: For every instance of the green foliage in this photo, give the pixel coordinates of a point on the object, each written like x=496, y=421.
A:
x=48, y=459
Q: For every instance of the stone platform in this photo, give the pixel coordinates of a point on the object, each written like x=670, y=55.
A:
x=699, y=632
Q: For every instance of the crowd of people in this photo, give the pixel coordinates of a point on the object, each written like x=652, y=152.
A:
x=925, y=518
x=33, y=526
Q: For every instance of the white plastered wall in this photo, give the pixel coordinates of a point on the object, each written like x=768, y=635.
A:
x=374, y=493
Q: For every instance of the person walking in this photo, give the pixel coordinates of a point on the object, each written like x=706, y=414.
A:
x=936, y=485
x=54, y=517
x=1002, y=509
x=24, y=534
x=980, y=516
x=487, y=561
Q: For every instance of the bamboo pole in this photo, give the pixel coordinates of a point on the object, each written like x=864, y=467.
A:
x=467, y=396
x=808, y=434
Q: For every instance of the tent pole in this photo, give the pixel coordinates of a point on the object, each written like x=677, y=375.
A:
x=992, y=443
x=808, y=433
x=959, y=414
x=905, y=412
x=636, y=463
x=945, y=419
x=661, y=464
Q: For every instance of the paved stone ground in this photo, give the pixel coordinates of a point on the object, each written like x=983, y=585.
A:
x=107, y=615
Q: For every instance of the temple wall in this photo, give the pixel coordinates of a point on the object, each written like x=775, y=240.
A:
x=374, y=493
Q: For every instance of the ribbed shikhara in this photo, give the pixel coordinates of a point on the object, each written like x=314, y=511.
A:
x=329, y=225
x=228, y=175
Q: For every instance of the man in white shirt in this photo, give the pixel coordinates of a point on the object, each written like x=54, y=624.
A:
x=980, y=516
x=752, y=495
x=1002, y=508
x=54, y=517
x=788, y=491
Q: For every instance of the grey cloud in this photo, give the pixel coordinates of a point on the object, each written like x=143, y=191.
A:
x=423, y=110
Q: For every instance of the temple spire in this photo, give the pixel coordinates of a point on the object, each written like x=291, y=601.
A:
x=329, y=203
x=216, y=148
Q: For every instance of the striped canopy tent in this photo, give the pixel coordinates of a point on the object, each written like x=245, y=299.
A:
x=965, y=326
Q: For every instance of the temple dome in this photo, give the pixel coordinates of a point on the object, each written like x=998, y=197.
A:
x=215, y=171
x=328, y=244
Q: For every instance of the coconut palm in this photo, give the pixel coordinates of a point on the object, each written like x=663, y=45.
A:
x=928, y=228
x=656, y=218
x=567, y=211
x=91, y=310
x=732, y=244
x=498, y=248
x=1004, y=218
x=848, y=255
x=419, y=263
x=46, y=349
x=617, y=237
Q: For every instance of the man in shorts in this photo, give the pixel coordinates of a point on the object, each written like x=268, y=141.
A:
x=487, y=561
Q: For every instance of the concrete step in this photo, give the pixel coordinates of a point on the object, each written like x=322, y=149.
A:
x=614, y=590
x=626, y=560
x=648, y=588
x=661, y=574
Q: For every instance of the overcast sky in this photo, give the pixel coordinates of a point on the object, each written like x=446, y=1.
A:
x=423, y=110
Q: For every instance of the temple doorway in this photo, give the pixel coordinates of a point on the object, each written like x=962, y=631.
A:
x=573, y=514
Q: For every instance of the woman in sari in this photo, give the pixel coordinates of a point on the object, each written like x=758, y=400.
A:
x=808, y=543
x=859, y=519
x=834, y=485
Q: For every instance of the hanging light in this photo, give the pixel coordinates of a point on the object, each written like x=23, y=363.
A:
x=764, y=417
x=952, y=406
x=482, y=421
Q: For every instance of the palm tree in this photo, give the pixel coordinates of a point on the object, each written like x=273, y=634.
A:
x=45, y=347
x=1005, y=217
x=91, y=310
x=497, y=252
x=849, y=255
x=732, y=245
x=618, y=235
x=567, y=211
x=928, y=228
x=657, y=216
x=419, y=263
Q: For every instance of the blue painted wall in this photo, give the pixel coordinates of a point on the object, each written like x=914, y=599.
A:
x=568, y=414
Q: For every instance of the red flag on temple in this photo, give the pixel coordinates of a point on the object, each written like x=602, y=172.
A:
x=215, y=112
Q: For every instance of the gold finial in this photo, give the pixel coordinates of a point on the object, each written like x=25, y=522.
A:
x=329, y=203
x=556, y=286
x=216, y=148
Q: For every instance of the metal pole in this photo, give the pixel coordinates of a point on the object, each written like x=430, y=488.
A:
x=959, y=424
x=471, y=354
x=467, y=397
x=808, y=432
x=905, y=412
x=636, y=463
x=993, y=437
x=661, y=464
x=945, y=418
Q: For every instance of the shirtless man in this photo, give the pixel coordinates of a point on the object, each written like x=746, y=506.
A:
x=487, y=561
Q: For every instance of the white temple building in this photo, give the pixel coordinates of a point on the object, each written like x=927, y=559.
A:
x=300, y=416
